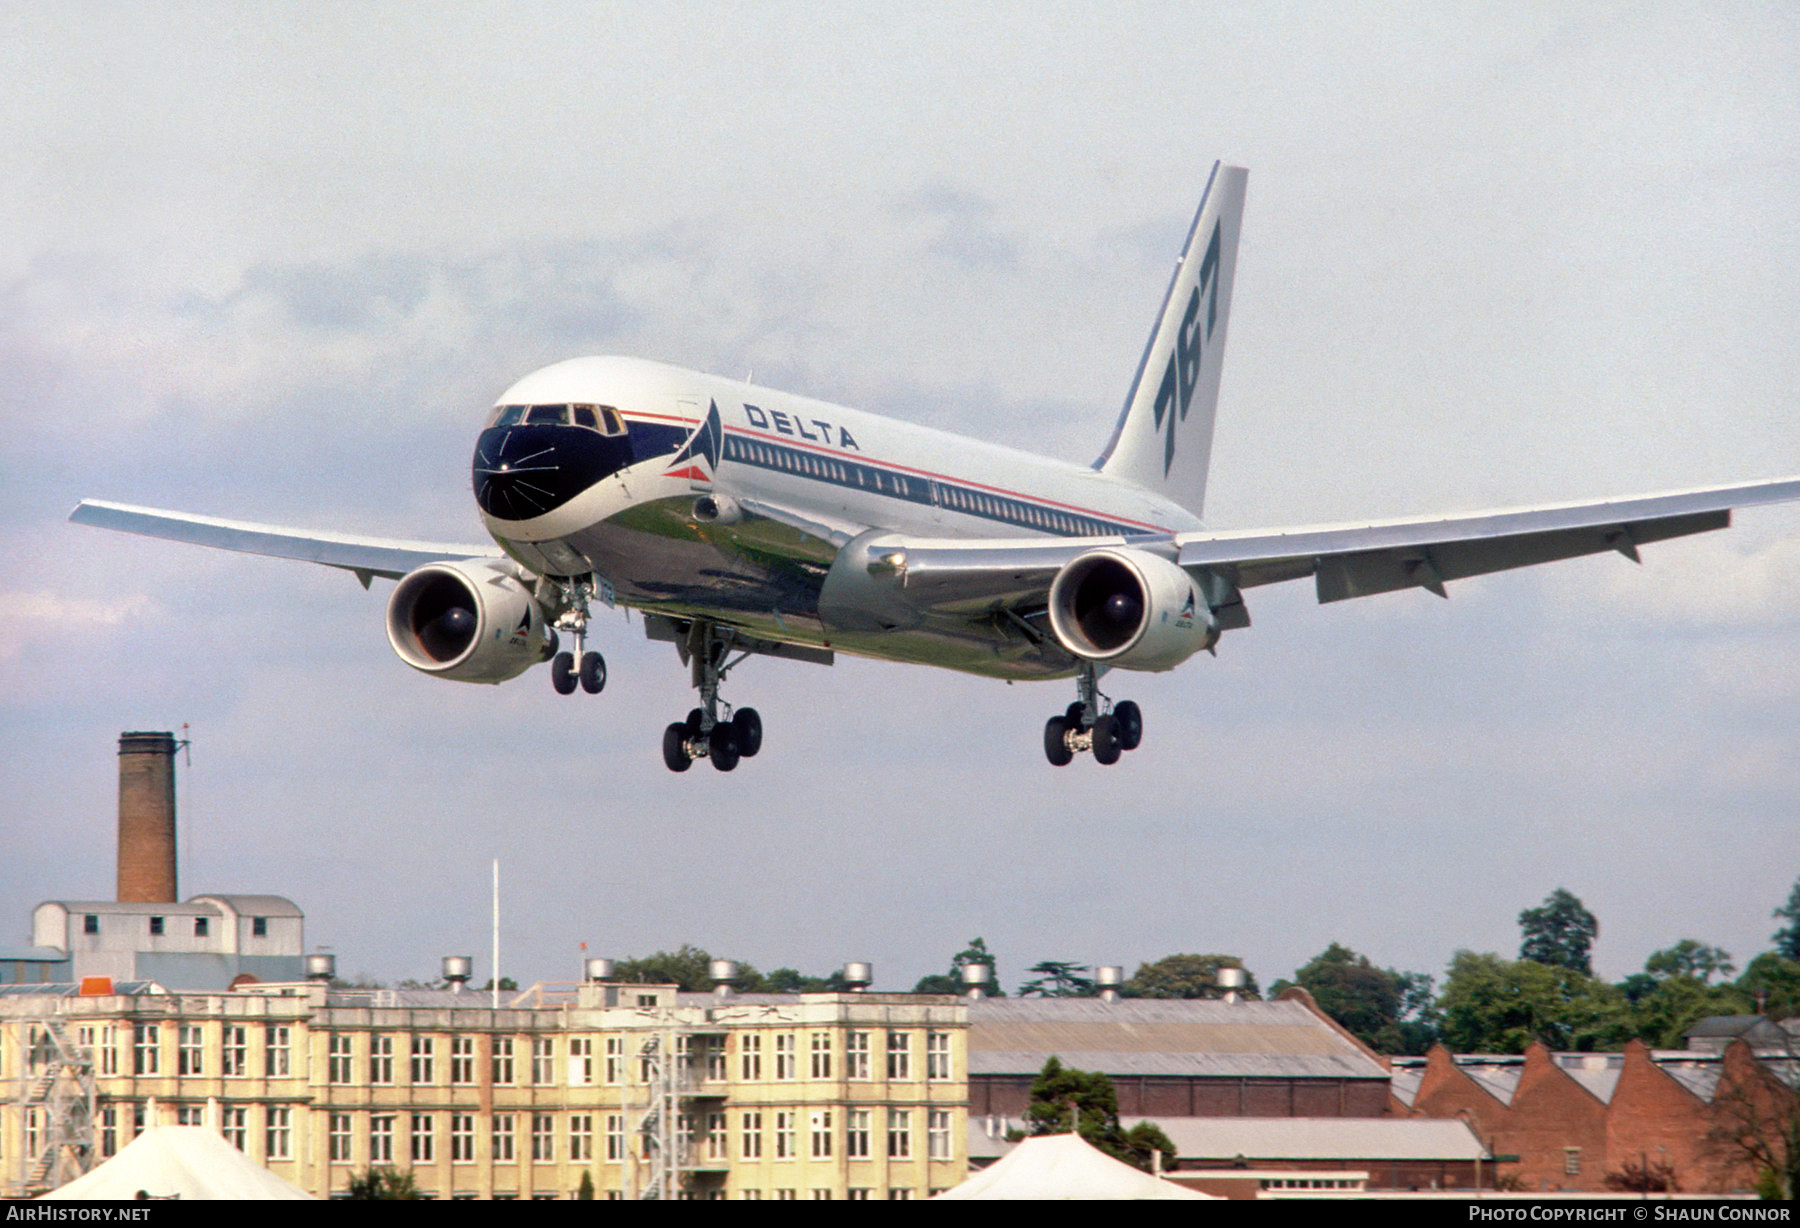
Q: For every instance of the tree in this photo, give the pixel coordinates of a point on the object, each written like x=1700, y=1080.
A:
x=689, y=969
x=1560, y=933
x=1691, y=959
x=1644, y=1176
x=1084, y=1102
x=1058, y=979
x=1787, y=938
x=975, y=953
x=789, y=980
x=1373, y=1004
x=384, y=1184
x=1492, y=1005
x=1772, y=983
x=1186, y=976
x=586, y=1192
x=1757, y=1123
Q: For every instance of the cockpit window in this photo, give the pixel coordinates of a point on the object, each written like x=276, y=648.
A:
x=602, y=418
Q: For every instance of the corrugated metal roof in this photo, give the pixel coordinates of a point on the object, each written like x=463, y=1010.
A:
x=1300, y=1139
x=1404, y=1083
x=1598, y=1073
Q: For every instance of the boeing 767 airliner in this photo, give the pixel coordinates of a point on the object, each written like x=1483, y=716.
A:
x=740, y=520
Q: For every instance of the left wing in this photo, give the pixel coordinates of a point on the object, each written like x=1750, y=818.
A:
x=972, y=577
x=366, y=556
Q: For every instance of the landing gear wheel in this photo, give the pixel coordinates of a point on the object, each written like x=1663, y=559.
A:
x=1131, y=725
x=1056, y=742
x=747, y=726
x=593, y=673
x=722, y=743
x=675, y=752
x=1072, y=717
x=695, y=720
x=562, y=673
x=1106, y=740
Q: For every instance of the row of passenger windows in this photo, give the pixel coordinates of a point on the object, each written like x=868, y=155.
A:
x=916, y=490
x=602, y=418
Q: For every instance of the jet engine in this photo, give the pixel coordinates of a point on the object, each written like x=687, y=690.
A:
x=472, y=620
x=1129, y=608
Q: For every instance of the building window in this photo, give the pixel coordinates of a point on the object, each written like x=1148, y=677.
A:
x=821, y=1055
x=276, y=1051
x=190, y=1115
x=259, y=927
x=821, y=1134
x=339, y=1138
x=424, y=1138
x=899, y=1055
x=235, y=1062
x=899, y=1134
x=750, y=1136
x=424, y=1049
x=581, y=1137
x=381, y=1060
x=750, y=1058
x=581, y=1061
x=856, y=1055
x=784, y=1055
x=462, y=1138
x=278, y=1133
x=937, y=1134
x=543, y=1061
x=502, y=1060
x=543, y=1138
x=234, y=1124
x=90, y=924
x=189, y=1059
x=109, y=1050
x=1571, y=1161
x=156, y=926
x=503, y=1136
x=109, y=1130
x=856, y=1137
x=381, y=1139
x=337, y=1062
x=615, y=1060
x=615, y=1137
x=145, y=1050
x=715, y=1062
x=937, y=1055
x=200, y=927
x=784, y=1135
x=716, y=1146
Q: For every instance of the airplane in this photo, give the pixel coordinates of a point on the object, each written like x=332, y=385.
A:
x=740, y=521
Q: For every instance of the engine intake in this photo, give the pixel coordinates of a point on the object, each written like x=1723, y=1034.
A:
x=1129, y=608
x=472, y=620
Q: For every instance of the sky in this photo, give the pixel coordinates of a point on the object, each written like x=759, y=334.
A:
x=275, y=262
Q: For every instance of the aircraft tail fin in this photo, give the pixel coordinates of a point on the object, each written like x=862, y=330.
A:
x=1163, y=439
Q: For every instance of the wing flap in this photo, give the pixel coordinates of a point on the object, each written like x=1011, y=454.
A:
x=366, y=556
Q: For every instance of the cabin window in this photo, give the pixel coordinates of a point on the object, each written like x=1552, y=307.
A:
x=547, y=415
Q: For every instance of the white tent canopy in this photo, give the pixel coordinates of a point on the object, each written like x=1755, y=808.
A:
x=184, y=1162
x=1065, y=1166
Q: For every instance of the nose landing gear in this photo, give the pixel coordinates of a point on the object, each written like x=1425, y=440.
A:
x=581, y=667
x=1084, y=726
x=705, y=734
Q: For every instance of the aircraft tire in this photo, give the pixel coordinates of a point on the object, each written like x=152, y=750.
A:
x=675, y=754
x=562, y=673
x=722, y=742
x=696, y=718
x=1072, y=716
x=747, y=725
x=1056, y=746
x=1131, y=725
x=593, y=673
x=1106, y=740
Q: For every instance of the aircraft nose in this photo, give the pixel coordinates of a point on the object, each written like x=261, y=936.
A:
x=522, y=472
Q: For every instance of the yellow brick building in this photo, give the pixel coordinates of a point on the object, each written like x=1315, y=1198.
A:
x=649, y=1091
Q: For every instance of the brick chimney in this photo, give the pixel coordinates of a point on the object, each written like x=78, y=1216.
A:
x=147, y=818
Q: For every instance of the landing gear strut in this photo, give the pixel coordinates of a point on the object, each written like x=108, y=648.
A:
x=1086, y=725
x=706, y=734
x=583, y=668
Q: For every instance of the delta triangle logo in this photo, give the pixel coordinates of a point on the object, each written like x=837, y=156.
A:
x=698, y=458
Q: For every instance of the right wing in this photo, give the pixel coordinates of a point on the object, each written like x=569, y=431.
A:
x=365, y=556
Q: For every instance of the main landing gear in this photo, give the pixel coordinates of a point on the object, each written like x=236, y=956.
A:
x=1084, y=726
x=705, y=734
x=581, y=667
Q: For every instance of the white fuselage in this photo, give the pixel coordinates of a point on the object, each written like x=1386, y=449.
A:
x=790, y=480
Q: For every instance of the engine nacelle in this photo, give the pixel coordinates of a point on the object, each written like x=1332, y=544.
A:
x=469, y=620
x=1130, y=608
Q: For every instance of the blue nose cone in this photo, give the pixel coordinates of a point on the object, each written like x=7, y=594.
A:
x=522, y=472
